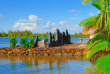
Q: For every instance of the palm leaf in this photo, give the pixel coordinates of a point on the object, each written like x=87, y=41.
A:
x=97, y=6
x=101, y=46
x=86, y=1
x=89, y=21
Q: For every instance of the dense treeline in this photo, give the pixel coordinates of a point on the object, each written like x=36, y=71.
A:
x=17, y=34
x=78, y=35
x=30, y=34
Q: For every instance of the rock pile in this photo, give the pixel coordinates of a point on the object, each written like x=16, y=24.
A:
x=42, y=51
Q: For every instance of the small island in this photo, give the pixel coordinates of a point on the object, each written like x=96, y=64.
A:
x=62, y=46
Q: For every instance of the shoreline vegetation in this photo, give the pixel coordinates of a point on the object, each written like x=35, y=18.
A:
x=27, y=33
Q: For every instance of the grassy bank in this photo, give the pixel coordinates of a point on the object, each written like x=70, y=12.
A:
x=103, y=64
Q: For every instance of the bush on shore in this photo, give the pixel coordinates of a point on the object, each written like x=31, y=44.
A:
x=13, y=42
x=27, y=43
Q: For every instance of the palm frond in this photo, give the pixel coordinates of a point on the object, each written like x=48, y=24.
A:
x=98, y=36
x=100, y=46
x=96, y=6
x=89, y=21
x=86, y=1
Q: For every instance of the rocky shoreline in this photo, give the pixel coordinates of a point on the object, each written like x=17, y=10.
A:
x=74, y=49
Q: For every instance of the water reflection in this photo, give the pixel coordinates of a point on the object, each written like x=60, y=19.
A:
x=44, y=64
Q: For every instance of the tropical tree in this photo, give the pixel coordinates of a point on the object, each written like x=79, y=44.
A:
x=101, y=22
x=89, y=23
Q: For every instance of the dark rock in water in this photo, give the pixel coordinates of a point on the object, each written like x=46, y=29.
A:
x=61, y=39
x=36, y=40
x=50, y=37
x=64, y=38
x=69, y=41
x=66, y=32
x=57, y=34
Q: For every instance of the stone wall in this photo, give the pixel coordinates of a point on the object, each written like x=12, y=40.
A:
x=61, y=39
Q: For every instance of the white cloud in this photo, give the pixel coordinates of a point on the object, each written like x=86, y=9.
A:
x=70, y=26
x=98, y=12
x=91, y=14
x=33, y=25
x=1, y=16
x=73, y=10
x=64, y=24
x=49, y=27
x=30, y=24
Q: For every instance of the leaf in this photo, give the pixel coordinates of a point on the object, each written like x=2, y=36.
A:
x=97, y=6
x=86, y=1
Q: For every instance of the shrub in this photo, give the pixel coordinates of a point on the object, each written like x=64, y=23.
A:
x=31, y=42
x=13, y=42
x=39, y=39
x=24, y=42
x=27, y=43
x=46, y=40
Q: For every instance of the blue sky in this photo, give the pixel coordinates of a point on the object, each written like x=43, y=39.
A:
x=44, y=15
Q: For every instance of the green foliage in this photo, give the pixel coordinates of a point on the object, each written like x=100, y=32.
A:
x=96, y=5
x=30, y=34
x=3, y=34
x=31, y=42
x=103, y=64
x=86, y=1
x=89, y=21
x=102, y=22
x=20, y=33
x=78, y=35
x=26, y=42
x=46, y=40
x=25, y=33
x=13, y=42
x=101, y=41
x=39, y=39
x=100, y=46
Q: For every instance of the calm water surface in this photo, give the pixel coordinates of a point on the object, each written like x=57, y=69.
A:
x=43, y=65
x=4, y=42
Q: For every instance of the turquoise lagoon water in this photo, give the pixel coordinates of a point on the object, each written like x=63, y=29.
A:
x=4, y=42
